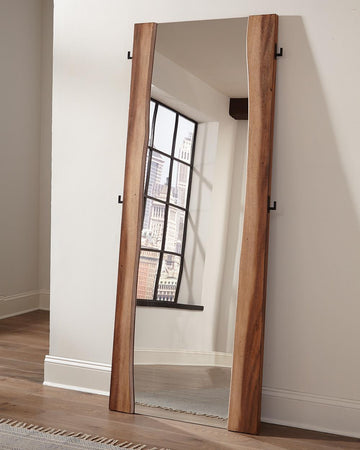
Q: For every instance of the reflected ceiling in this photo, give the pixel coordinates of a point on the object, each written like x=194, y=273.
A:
x=212, y=50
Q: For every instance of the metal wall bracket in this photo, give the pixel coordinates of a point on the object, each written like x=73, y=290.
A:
x=269, y=207
x=280, y=53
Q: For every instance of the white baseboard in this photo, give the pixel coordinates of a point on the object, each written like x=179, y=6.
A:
x=313, y=412
x=279, y=406
x=93, y=377
x=44, y=299
x=84, y=376
x=182, y=358
x=13, y=305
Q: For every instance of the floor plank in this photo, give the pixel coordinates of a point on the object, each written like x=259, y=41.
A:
x=23, y=397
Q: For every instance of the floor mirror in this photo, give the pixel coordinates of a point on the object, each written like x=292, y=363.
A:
x=189, y=322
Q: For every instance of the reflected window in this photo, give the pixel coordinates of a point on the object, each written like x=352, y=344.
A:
x=168, y=173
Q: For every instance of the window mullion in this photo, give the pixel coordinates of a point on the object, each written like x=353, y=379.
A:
x=146, y=187
x=167, y=155
x=166, y=213
x=148, y=171
x=163, y=202
x=156, y=250
x=152, y=129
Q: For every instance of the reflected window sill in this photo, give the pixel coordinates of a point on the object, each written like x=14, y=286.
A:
x=164, y=304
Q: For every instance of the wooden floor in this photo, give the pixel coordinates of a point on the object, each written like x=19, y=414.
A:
x=23, y=345
x=165, y=385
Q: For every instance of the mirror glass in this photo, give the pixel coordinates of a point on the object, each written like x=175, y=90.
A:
x=192, y=224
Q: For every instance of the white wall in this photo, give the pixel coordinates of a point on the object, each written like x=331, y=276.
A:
x=226, y=306
x=311, y=368
x=45, y=154
x=21, y=131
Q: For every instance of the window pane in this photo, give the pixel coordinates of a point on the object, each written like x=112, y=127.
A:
x=168, y=278
x=151, y=115
x=164, y=129
x=153, y=225
x=179, y=184
x=184, y=139
x=174, y=230
x=148, y=267
x=159, y=176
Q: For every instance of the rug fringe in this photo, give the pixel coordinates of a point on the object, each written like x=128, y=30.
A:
x=193, y=413
x=99, y=439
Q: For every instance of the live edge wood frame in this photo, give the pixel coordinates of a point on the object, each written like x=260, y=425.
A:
x=246, y=380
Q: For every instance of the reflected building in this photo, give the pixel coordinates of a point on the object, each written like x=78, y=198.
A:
x=155, y=218
x=157, y=164
x=148, y=267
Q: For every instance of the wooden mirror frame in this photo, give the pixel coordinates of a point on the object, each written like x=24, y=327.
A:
x=246, y=378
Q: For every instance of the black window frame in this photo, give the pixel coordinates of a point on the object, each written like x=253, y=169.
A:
x=167, y=204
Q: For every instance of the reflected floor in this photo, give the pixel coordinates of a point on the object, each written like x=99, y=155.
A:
x=197, y=394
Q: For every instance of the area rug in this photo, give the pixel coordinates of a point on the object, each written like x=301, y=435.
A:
x=212, y=402
x=16, y=435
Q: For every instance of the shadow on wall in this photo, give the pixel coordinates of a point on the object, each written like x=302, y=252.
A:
x=314, y=252
x=197, y=239
x=223, y=339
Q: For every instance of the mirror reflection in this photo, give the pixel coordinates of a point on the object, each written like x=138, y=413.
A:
x=194, y=193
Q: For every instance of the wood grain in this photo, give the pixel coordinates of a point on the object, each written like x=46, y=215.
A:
x=23, y=345
x=246, y=382
x=122, y=376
